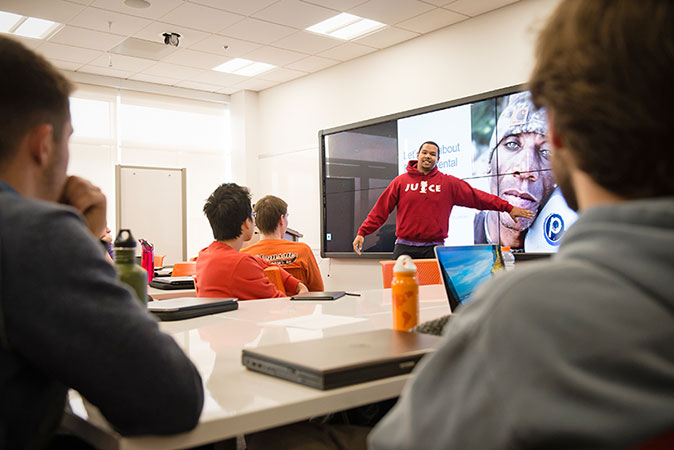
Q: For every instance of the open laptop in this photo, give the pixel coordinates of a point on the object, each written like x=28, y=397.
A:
x=464, y=267
x=343, y=360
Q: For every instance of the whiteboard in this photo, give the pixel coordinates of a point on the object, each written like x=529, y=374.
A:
x=150, y=201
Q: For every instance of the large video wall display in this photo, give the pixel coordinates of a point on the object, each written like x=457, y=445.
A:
x=496, y=143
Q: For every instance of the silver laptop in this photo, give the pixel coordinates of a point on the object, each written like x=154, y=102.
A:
x=465, y=267
x=343, y=360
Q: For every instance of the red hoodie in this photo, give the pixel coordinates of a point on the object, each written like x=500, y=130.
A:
x=424, y=204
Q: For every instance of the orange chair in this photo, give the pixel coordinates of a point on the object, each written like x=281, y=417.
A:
x=159, y=260
x=273, y=273
x=298, y=272
x=428, y=272
x=183, y=269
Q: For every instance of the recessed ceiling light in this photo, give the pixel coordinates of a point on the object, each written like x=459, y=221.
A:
x=359, y=28
x=333, y=23
x=8, y=21
x=244, y=67
x=137, y=3
x=36, y=28
x=345, y=26
x=254, y=69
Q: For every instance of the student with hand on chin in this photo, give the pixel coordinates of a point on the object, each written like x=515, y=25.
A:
x=65, y=320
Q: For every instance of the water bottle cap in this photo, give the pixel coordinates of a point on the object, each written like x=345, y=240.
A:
x=404, y=263
x=121, y=241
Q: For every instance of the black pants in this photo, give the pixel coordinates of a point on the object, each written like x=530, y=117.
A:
x=425, y=252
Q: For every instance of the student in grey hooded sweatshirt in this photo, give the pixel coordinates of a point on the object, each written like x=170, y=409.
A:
x=577, y=352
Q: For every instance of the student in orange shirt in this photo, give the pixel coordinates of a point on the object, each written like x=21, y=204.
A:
x=272, y=221
x=222, y=270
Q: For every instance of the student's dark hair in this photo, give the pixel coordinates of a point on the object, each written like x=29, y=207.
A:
x=269, y=210
x=227, y=208
x=429, y=142
x=32, y=92
x=605, y=71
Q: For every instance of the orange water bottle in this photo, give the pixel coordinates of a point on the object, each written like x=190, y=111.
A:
x=405, y=294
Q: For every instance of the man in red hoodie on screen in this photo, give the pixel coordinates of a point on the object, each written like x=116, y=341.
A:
x=425, y=198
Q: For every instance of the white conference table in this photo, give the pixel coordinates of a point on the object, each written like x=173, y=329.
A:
x=238, y=401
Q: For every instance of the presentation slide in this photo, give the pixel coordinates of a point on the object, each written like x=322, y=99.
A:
x=451, y=129
x=497, y=144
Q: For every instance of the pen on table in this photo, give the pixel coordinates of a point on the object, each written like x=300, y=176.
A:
x=355, y=294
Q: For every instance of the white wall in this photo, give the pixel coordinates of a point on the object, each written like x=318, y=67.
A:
x=488, y=52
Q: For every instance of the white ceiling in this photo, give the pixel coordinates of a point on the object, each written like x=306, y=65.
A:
x=270, y=31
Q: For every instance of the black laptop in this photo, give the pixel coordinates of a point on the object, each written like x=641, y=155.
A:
x=343, y=360
x=319, y=295
x=172, y=283
x=189, y=307
x=464, y=267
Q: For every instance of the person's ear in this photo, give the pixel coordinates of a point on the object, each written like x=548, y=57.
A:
x=40, y=141
x=247, y=224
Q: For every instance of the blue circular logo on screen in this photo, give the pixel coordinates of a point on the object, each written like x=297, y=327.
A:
x=553, y=228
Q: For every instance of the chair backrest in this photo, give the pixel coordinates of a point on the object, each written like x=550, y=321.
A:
x=273, y=273
x=159, y=260
x=298, y=272
x=183, y=269
x=427, y=272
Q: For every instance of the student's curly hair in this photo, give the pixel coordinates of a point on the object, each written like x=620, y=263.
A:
x=227, y=208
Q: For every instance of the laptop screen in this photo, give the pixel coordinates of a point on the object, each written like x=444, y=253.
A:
x=465, y=267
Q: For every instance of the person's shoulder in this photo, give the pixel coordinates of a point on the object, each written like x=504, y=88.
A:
x=40, y=218
x=305, y=250
x=447, y=177
x=246, y=259
x=252, y=249
x=249, y=267
x=533, y=294
x=20, y=209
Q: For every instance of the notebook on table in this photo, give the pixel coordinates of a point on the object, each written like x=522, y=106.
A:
x=173, y=283
x=464, y=267
x=343, y=360
x=189, y=307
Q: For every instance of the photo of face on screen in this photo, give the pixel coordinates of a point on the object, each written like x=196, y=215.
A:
x=497, y=144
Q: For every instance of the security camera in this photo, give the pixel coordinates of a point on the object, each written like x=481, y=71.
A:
x=172, y=39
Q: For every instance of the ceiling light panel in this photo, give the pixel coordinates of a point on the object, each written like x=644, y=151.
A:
x=333, y=23
x=243, y=67
x=345, y=26
x=36, y=28
x=232, y=65
x=254, y=69
x=8, y=21
x=359, y=28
